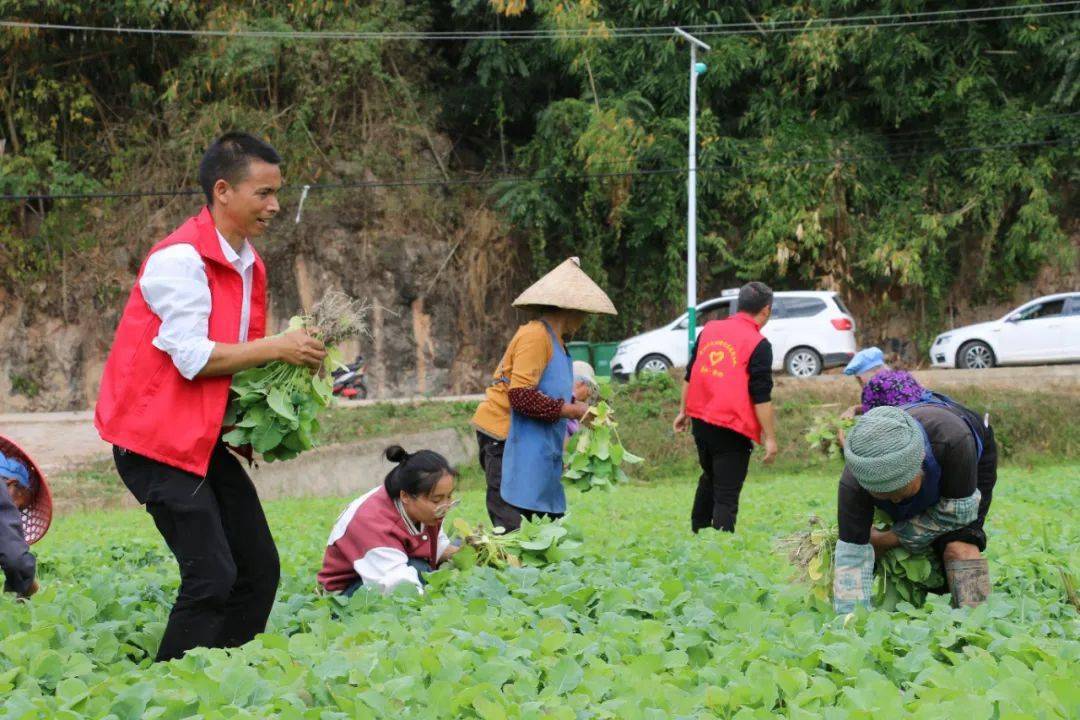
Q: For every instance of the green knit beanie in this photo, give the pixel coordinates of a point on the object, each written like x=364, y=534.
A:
x=885, y=449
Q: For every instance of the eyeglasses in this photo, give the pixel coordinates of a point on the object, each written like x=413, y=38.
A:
x=443, y=508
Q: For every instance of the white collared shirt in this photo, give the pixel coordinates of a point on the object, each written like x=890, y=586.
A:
x=174, y=285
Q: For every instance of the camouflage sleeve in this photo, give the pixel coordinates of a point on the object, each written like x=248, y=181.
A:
x=853, y=576
x=949, y=514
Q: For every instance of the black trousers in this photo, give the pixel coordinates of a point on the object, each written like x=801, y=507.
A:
x=724, y=456
x=216, y=528
x=986, y=479
x=501, y=512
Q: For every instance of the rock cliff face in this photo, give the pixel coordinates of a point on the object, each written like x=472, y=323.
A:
x=439, y=282
x=439, y=272
x=440, y=301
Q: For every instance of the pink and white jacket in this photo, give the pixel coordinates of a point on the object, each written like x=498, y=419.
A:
x=373, y=540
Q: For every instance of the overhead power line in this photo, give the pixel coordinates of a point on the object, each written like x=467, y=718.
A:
x=547, y=177
x=883, y=26
x=762, y=26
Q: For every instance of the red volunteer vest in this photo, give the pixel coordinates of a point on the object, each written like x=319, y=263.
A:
x=145, y=405
x=719, y=392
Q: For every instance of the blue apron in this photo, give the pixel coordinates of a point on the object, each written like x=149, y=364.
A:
x=928, y=494
x=533, y=457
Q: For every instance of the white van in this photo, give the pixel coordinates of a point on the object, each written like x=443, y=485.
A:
x=809, y=331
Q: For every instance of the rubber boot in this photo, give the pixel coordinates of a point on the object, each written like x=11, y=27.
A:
x=969, y=581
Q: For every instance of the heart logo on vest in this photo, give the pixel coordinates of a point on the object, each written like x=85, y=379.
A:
x=716, y=357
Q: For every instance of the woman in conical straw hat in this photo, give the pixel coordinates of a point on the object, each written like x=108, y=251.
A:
x=521, y=423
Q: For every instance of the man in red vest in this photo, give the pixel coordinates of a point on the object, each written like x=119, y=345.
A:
x=196, y=316
x=727, y=399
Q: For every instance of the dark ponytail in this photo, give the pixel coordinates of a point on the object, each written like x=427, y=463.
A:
x=416, y=473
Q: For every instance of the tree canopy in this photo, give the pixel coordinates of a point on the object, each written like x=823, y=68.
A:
x=897, y=164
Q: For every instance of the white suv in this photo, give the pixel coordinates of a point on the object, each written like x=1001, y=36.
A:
x=809, y=331
x=1046, y=329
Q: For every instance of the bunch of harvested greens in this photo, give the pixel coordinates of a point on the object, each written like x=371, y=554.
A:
x=899, y=574
x=811, y=552
x=274, y=407
x=538, y=542
x=825, y=434
x=596, y=453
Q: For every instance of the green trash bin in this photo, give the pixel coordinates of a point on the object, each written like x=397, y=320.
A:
x=579, y=351
x=603, y=353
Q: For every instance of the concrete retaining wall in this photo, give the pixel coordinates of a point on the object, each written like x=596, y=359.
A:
x=354, y=468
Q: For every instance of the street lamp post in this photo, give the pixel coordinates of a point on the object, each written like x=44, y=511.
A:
x=696, y=69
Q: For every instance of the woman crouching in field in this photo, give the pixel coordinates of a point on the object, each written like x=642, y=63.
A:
x=393, y=534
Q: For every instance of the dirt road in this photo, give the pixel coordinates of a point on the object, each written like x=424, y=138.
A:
x=61, y=440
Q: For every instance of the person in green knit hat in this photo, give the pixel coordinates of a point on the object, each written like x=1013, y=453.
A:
x=919, y=465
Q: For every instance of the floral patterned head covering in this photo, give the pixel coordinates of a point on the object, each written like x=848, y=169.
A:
x=891, y=387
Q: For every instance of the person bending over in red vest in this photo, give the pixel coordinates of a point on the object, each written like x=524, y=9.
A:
x=727, y=399
x=196, y=316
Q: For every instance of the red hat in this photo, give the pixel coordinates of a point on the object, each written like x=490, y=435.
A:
x=37, y=516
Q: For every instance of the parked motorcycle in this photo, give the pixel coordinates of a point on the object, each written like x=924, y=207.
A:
x=351, y=383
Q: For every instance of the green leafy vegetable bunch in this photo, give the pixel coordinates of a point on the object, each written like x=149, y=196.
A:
x=596, y=453
x=274, y=407
x=538, y=542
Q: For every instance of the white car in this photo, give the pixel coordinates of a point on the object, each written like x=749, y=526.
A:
x=1045, y=330
x=809, y=331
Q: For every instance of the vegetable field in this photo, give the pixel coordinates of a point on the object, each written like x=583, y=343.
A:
x=647, y=621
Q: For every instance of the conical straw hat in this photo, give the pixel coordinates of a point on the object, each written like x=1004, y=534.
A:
x=38, y=516
x=567, y=287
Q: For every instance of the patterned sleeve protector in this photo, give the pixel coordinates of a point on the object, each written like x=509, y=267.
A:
x=853, y=577
x=947, y=515
x=535, y=404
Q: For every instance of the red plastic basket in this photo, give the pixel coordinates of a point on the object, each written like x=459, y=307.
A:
x=37, y=517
